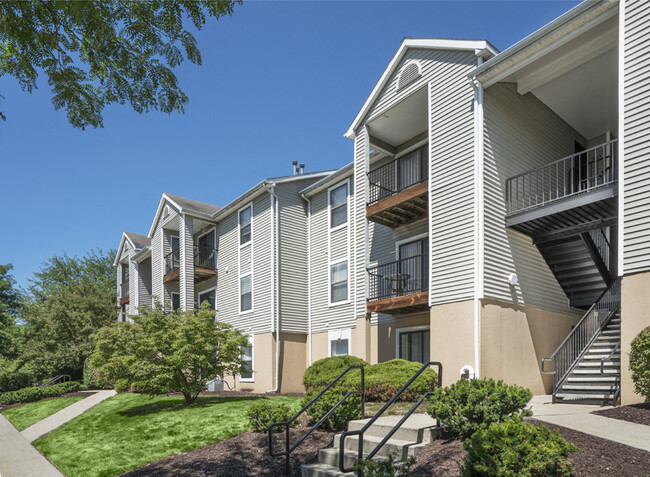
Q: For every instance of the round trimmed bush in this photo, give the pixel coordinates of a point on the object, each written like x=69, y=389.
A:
x=471, y=405
x=262, y=414
x=516, y=448
x=348, y=411
x=121, y=385
x=640, y=362
x=383, y=380
x=323, y=371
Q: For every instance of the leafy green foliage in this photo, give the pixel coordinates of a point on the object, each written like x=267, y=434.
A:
x=13, y=376
x=384, y=468
x=10, y=306
x=518, y=449
x=122, y=385
x=69, y=300
x=99, y=53
x=94, y=379
x=640, y=362
x=169, y=352
x=469, y=405
x=262, y=414
x=34, y=394
x=323, y=371
x=349, y=410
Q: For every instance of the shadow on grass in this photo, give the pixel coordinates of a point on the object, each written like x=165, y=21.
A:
x=178, y=404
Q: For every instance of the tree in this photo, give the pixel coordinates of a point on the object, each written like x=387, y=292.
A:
x=95, y=53
x=10, y=304
x=169, y=352
x=69, y=300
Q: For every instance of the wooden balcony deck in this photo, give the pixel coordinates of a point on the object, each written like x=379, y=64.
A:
x=400, y=304
x=402, y=208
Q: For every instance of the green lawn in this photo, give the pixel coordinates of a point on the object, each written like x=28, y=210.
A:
x=24, y=416
x=129, y=430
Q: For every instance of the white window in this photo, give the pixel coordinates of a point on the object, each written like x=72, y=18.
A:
x=245, y=293
x=247, y=357
x=339, y=342
x=339, y=282
x=245, y=216
x=338, y=202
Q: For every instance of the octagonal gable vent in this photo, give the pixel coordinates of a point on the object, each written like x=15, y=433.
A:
x=409, y=73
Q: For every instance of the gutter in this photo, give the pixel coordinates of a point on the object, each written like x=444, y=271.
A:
x=275, y=316
x=309, y=349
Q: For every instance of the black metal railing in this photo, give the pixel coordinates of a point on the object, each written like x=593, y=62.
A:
x=61, y=378
x=401, y=277
x=578, y=173
x=360, y=432
x=290, y=448
x=124, y=289
x=172, y=260
x=583, y=334
x=398, y=175
x=205, y=257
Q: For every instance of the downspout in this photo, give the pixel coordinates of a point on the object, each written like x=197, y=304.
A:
x=275, y=318
x=306, y=199
x=479, y=230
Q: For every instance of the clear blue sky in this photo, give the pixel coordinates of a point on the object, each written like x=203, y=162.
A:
x=280, y=81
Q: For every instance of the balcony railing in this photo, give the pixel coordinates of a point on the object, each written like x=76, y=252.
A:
x=401, y=277
x=124, y=289
x=579, y=173
x=172, y=261
x=398, y=175
x=205, y=257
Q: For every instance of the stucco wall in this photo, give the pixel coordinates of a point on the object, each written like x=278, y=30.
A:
x=452, y=338
x=635, y=303
x=384, y=345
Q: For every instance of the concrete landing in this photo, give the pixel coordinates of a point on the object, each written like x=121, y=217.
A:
x=579, y=418
x=57, y=419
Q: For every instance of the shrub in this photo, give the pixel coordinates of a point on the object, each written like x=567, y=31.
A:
x=349, y=410
x=385, y=468
x=13, y=377
x=121, y=385
x=640, y=362
x=262, y=414
x=323, y=371
x=467, y=406
x=94, y=379
x=36, y=394
x=516, y=448
x=383, y=380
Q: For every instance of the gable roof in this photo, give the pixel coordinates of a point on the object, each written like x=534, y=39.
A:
x=481, y=48
x=183, y=205
x=136, y=241
x=327, y=180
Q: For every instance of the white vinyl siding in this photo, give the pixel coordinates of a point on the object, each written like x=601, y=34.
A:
x=144, y=282
x=636, y=109
x=521, y=133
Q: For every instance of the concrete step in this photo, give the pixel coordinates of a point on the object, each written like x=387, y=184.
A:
x=587, y=388
x=607, y=371
x=399, y=449
x=330, y=456
x=419, y=427
x=322, y=470
x=608, y=364
x=596, y=379
x=596, y=356
x=584, y=399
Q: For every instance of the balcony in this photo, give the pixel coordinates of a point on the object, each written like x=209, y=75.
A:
x=578, y=191
x=124, y=292
x=398, y=190
x=399, y=287
x=205, y=264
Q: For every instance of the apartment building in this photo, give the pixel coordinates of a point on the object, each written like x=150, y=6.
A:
x=494, y=218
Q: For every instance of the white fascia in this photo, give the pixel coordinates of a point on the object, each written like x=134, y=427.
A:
x=161, y=206
x=621, y=139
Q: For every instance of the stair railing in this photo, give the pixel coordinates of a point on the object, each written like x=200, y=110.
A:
x=61, y=378
x=360, y=432
x=583, y=334
x=617, y=382
x=290, y=448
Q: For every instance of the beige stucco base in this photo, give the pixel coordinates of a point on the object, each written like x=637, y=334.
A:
x=293, y=360
x=384, y=343
x=514, y=339
x=635, y=303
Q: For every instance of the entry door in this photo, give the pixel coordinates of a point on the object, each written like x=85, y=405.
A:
x=414, y=346
x=414, y=263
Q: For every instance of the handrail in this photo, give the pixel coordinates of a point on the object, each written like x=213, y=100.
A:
x=361, y=431
x=398, y=175
x=289, y=449
x=61, y=377
x=609, y=356
x=398, y=278
x=583, y=334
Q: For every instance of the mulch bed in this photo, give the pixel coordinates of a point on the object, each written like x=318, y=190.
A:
x=636, y=413
x=246, y=455
x=84, y=394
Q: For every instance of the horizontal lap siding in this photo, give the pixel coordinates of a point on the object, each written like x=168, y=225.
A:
x=324, y=317
x=521, y=133
x=636, y=220
x=157, y=265
x=452, y=180
x=358, y=218
x=258, y=321
x=144, y=282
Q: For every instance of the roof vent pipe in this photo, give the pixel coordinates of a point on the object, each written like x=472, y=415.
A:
x=295, y=167
x=302, y=168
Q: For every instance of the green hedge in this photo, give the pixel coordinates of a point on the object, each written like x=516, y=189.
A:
x=516, y=448
x=338, y=420
x=323, y=371
x=262, y=414
x=32, y=394
x=13, y=377
x=640, y=362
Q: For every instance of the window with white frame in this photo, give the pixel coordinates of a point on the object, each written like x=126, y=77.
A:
x=245, y=217
x=245, y=293
x=247, y=358
x=339, y=342
x=339, y=282
x=338, y=200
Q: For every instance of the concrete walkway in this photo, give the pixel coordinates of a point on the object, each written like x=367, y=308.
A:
x=18, y=458
x=579, y=418
x=57, y=419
